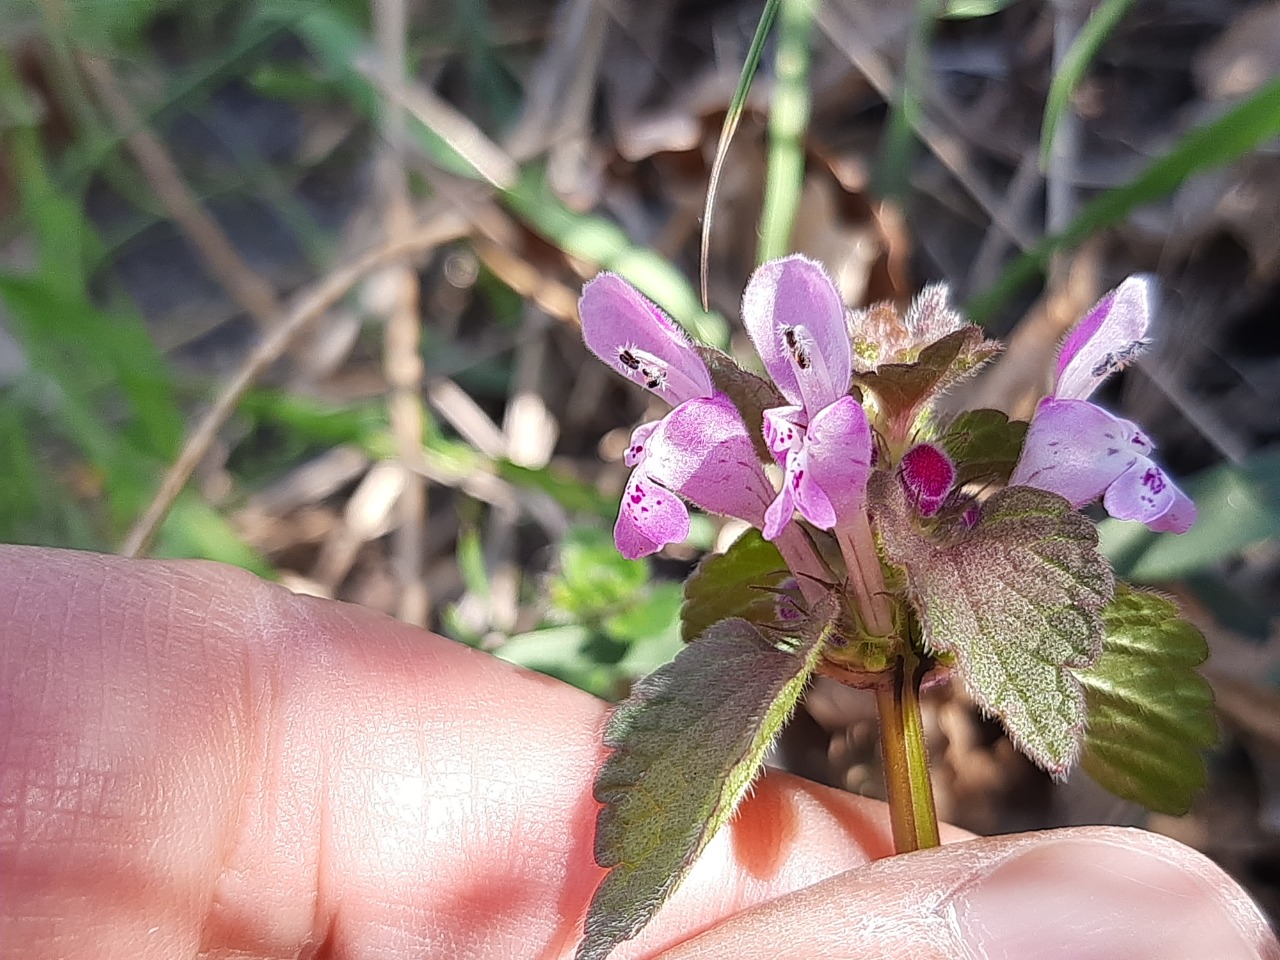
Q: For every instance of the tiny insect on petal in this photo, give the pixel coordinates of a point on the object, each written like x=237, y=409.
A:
x=1111, y=335
x=636, y=339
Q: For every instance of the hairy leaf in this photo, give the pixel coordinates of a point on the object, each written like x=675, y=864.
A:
x=984, y=445
x=903, y=389
x=741, y=582
x=1150, y=714
x=686, y=745
x=1017, y=599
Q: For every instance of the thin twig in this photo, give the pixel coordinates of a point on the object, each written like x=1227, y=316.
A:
x=401, y=358
x=437, y=229
x=247, y=289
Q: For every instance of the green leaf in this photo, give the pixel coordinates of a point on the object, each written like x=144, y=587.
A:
x=788, y=122
x=1150, y=714
x=686, y=744
x=1017, y=600
x=984, y=445
x=1238, y=505
x=737, y=583
x=971, y=9
x=593, y=579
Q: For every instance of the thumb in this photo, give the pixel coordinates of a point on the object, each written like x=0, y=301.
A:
x=1086, y=893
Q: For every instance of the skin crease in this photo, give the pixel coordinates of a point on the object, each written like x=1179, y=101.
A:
x=196, y=763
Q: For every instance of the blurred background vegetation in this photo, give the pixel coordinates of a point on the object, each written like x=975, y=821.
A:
x=292, y=285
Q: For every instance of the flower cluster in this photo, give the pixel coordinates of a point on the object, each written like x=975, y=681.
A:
x=821, y=437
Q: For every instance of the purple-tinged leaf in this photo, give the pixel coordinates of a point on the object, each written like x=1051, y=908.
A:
x=1108, y=337
x=795, y=317
x=1017, y=600
x=903, y=390
x=686, y=745
x=639, y=341
x=984, y=445
x=1150, y=713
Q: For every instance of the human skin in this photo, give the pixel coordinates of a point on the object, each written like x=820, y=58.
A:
x=197, y=763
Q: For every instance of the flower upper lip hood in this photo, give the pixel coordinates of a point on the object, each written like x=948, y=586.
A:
x=795, y=319
x=637, y=340
x=822, y=440
x=1077, y=449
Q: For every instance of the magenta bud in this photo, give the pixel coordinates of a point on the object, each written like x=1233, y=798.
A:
x=927, y=474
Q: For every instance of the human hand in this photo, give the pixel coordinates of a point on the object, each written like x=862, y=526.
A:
x=196, y=763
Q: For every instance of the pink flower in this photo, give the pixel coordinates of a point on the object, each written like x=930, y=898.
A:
x=1077, y=449
x=822, y=440
x=700, y=450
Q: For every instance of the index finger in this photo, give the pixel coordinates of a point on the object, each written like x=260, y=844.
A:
x=196, y=760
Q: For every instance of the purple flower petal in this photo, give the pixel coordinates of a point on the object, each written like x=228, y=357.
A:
x=810, y=497
x=1077, y=450
x=637, y=340
x=1145, y=493
x=838, y=449
x=779, y=513
x=1109, y=336
x=650, y=517
x=705, y=454
x=639, y=441
x=784, y=431
x=795, y=318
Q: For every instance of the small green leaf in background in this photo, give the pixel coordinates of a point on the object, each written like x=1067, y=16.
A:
x=686, y=744
x=1238, y=505
x=1150, y=714
x=593, y=579
x=984, y=445
x=737, y=583
x=971, y=9
x=1017, y=600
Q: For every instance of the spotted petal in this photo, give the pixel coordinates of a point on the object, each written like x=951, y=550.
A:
x=1145, y=493
x=636, y=339
x=838, y=446
x=1077, y=450
x=795, y=318
x=650, y=517
x=1110, y=335
x=704, y=453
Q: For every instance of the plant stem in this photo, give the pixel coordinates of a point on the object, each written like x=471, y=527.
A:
x=906, y=761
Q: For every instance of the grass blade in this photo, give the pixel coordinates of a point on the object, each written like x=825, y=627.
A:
x=1252, y=122
x=1085, y=47
x=788, y=120
x=727, y=131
